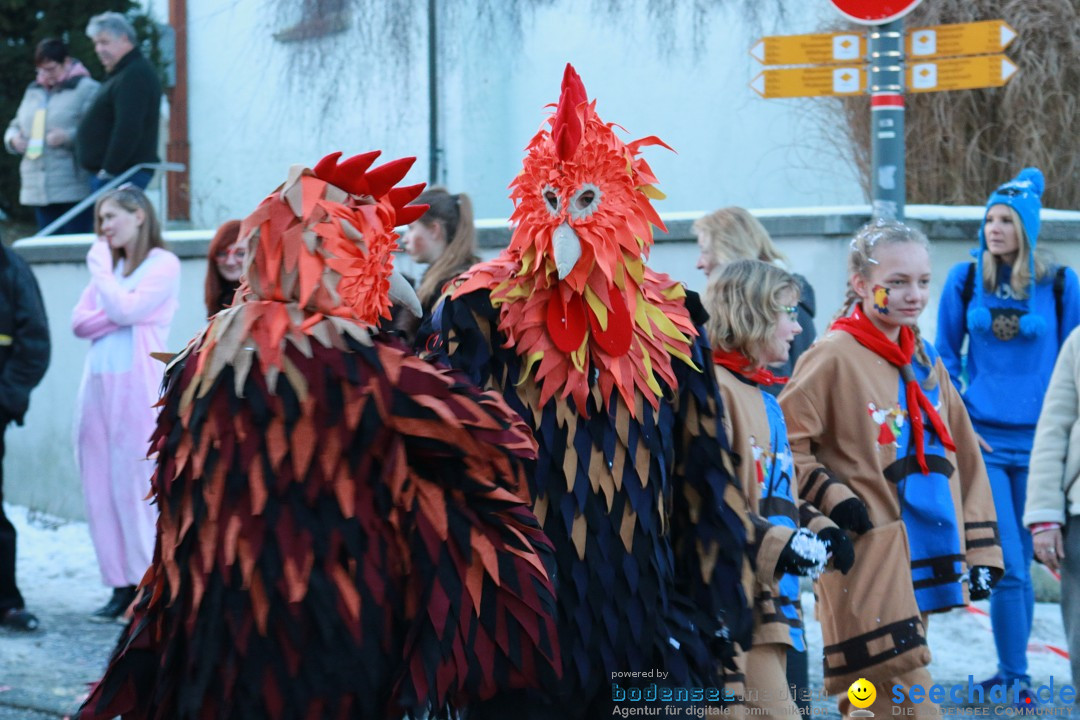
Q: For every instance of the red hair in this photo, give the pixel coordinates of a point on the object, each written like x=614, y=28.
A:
x=225, y=236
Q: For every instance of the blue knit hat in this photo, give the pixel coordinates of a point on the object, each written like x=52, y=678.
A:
x=1024, y=195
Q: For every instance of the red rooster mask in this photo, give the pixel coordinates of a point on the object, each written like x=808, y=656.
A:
x=574, y=293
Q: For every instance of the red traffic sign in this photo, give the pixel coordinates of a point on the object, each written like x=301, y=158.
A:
x=874, y=12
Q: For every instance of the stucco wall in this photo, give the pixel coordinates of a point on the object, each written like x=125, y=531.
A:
x=258, y=105
x=40, y=469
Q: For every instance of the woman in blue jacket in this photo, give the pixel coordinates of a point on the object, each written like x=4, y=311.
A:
x=1016, y=310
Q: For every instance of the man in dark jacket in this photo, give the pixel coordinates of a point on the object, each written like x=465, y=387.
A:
x=121, y=127
x=24, y=356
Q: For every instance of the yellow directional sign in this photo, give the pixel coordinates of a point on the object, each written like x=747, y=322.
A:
x=975, y=38
x=817, y=49
x=959, y=73
x=809, y=82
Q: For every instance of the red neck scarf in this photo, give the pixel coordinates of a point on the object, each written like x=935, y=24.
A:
x=899, y=356
x=739, y=363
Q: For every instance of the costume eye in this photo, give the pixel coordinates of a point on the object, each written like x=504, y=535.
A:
x=585, y=201
x=552, y=199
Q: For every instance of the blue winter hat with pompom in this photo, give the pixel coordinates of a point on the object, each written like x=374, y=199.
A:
x=1024, y=195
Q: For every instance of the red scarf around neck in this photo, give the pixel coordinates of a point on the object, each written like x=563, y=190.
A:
x=899, y=356
x=739, y=363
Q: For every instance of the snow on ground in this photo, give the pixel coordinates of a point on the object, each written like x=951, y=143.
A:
x=56, y=565
x=58, y=575
x=961, y=644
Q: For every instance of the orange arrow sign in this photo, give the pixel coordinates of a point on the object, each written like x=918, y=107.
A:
x=977, y=38
x=809, y=82
x=959, y=73
x=818, y=49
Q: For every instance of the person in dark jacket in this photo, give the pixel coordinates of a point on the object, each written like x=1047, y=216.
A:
x=121, y=127
x=24, y=356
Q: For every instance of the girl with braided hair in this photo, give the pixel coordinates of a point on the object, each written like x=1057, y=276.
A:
x=883, y=445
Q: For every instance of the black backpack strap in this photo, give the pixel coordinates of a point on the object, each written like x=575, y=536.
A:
x=966, y=293
x=1059, y=293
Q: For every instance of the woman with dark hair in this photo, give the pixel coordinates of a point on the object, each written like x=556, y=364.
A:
x=224, y=267
x=125, y=311
x=444, y=239
x=43, y=132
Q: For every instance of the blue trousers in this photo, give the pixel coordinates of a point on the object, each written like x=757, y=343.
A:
x=1012, y=602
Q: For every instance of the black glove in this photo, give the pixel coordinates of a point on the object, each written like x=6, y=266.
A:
x=981, y=579
x=804, y=554
x=851, y=515
x=840, y=547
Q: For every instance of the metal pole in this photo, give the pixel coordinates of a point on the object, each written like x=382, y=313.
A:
x=887, y=119
x=433, y=92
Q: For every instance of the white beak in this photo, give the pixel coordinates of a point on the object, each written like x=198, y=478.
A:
x=567, y=248
x=402, y=293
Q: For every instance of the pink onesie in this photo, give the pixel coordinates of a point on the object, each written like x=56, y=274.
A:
x=126, y=318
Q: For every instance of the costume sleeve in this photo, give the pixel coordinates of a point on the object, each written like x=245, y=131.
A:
x=1070, y=306
x=464, y=329
x=138, y=97
x=711, y=524
x=1045, y=496
x=88, y=321
x=811, y=518
x=951, y=325
x=978, y=515
x=805, y=426
x=29, y=340
x=129, y=307
x=768, y=540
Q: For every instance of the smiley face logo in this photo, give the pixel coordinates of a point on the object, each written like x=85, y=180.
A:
x=862, y=693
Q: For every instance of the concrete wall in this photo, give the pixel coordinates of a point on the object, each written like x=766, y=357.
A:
x=40, y=469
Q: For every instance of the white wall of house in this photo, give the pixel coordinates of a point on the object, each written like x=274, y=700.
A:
x=258, y=105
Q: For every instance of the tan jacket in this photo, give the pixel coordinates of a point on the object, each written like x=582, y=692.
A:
x=1052, y=490
x=54, y=176
x=845, y=420
x=747, y=426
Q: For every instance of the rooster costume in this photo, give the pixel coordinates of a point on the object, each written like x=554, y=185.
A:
x=603, y=358
x=344, y=529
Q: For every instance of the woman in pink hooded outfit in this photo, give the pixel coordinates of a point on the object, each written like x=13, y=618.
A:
x=125, y=311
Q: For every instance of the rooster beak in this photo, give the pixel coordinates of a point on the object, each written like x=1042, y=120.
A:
x=402, y=293
x=567, y=249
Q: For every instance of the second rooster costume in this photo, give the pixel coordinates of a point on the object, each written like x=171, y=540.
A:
x=604, y=360
x=344, y=530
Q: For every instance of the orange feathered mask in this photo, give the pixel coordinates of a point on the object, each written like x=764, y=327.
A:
x=319, y=266
x=572, y=287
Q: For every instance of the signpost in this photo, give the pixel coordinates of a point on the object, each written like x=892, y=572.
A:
x=930, y=59
x=819, y=49
x=977, y=38
x=963, y=73
x=809, y=82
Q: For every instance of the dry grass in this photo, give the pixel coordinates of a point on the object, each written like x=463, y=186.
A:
x=961, y=144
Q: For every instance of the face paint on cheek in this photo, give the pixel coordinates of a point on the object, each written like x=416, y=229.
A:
x=881, y=299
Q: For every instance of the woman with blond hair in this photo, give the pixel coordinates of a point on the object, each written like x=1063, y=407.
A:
x=1015, y=309
x=732, y=233
x=125, y=311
